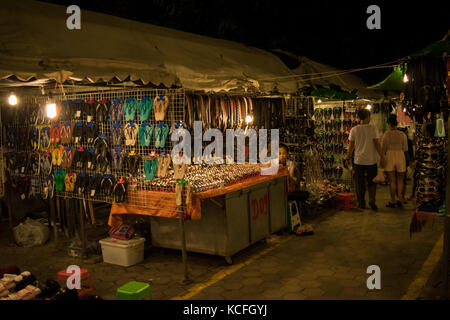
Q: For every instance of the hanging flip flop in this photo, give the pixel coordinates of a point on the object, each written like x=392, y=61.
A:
x=164, y=133
x=145, y=107
x=129, y=108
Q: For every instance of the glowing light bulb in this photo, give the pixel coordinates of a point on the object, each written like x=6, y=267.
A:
x=248, y=119
x=12, y=99
x=404, y=109
x=405, y=78
x=369, y=107
x=51, y=110
x=319, y=101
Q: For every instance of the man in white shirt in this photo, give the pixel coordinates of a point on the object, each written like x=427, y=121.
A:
x=366, y=145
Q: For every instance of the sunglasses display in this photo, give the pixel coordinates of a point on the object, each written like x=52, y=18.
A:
x=430, y=169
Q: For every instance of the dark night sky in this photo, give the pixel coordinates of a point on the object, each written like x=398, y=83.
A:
x=331, y=32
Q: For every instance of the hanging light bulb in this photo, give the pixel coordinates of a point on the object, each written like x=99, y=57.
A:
x=405, y=78
x=248, y=119
x=51, y=110
x=369, y=107
x=12, y=99
x=319, y=101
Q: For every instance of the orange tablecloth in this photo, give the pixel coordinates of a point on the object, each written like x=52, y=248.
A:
x=148, y=201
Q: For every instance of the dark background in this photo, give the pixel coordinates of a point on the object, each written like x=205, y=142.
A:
x=330, y=32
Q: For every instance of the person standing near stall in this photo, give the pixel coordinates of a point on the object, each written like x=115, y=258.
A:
x=394, y=146
x=365, y=144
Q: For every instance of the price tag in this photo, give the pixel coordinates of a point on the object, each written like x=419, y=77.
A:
x=78, y=113
x=89, y=118
x=23, y=170
x=92, y=193
x=22, y=197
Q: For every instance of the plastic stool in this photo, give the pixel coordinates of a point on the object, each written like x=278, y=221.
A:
x=84, y=275
x=134, y=291
x=346, y=198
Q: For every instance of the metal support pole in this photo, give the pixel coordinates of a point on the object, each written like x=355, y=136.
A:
x=83, y=231
x=183, y=235
x=445, y=255
x=183, y=246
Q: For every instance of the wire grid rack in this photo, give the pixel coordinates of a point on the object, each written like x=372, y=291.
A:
x=328, y=149
x=2, y=161
x=137, y=182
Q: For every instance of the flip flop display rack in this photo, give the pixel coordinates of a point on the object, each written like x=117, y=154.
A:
x=99, y=146
x=333, y=122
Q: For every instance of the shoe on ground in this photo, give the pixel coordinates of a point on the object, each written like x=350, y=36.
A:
x=374, y=206
x=390, y=205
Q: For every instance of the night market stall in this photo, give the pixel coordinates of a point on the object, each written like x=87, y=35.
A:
x=87, y=129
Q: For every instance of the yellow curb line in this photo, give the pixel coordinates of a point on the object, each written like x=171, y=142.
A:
x=424, y=274
x=229, y=270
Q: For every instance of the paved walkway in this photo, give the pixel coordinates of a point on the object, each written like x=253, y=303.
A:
x=328, y=265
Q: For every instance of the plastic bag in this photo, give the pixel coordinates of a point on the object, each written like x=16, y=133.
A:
x=31, y=233
x=379, y=177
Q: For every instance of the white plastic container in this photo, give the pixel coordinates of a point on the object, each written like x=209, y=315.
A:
x=123, y=252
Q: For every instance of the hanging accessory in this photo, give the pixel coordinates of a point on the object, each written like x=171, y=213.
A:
x=102, y=111
x=131, y=132
x=160, y=106
x=107, y=185
x=145, y=134
x=129, y=108
x=94, y=184
x=145, y=107
x=440, y=128
x=120, y=190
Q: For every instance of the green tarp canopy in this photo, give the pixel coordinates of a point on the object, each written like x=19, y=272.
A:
x=394, y=81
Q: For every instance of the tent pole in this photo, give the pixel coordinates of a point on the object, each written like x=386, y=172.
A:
x=445, y=255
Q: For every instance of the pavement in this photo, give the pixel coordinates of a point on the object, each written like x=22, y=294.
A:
x=331, y=264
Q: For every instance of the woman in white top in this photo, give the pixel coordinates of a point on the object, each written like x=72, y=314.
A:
x=394, y=146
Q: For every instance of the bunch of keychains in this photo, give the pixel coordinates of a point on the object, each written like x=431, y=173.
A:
x=431, y=163
x=85, y=149
x=332, y=128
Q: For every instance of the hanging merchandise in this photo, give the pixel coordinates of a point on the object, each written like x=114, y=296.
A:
x=69, y=182
x=116, y=134
x=131, y=132
x=100, y=146
x=129, y=109
x=150, y=167
x=161, y=132
x=440, y=128
x=78, y=109
x=79, y=158
x=116, y=111
x=81, y=184
x=102, y=110
x=145, y=107
x=163, y=165
x=59, y=179
x=107, y=185
x=94, y=184
x=91, y=132
x=117, y=158
x=90, y=110
x=133, y=162
x=45, y=137
x=120, y=190
x=145, y=134
x=160, y=106
x=66, y=133
x=57, y=153
x=67, y=157
x=78, y=132
x=91, y=159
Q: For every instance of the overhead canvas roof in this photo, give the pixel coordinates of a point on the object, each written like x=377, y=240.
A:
x=35, y=43
x=314, y=74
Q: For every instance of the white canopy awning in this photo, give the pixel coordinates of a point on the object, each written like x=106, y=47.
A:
x=35, y=43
